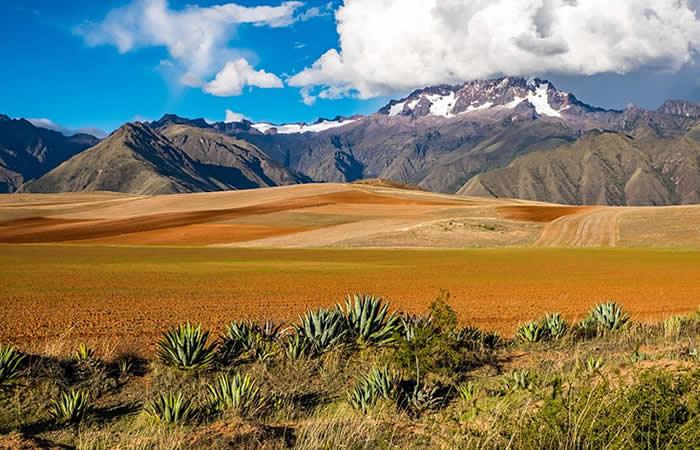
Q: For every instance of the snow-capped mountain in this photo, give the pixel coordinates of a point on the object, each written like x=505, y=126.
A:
x=503, y=94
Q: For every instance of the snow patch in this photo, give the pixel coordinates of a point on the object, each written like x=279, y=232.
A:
x=441, y=105
x=472, y=108
x=540, y=100
x=396, y=109
x=301, y=127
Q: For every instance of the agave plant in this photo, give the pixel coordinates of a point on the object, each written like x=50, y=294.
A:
x=555, y=326
x=369, y=389
x=323, y=329
x=10, y=362
x=531, y=332
x=84, y=354
x=170, y=408
x=72, y=406
x=234, y=393
x=368, y=320
x=518, y=379
x=245, y=336
x=412, y=323
x=419, y=399
x=594, y=363
x=185, y=347
x=296, y=346
x=608, y=317
x=469, y=337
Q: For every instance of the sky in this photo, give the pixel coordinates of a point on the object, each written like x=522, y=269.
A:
x=88, y=65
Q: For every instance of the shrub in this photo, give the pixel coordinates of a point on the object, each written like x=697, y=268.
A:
x=607, y=317
x=185, y=347
x=235, y=392
x=170, y=408
x=72, y=407
x=369, y=322
x=555, y=326
x=531, y=332
x=323, y=329
x=378, y=384
x=10, y=362
x=673, y=326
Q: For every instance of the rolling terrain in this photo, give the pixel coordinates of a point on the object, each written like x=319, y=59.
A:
x=337, y=215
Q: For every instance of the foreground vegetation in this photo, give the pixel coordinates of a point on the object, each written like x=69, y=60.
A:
x=360, y=376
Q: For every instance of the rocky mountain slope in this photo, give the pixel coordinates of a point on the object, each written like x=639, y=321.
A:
x=28, y=152
x=504, y=137
x=441, y=137
x=139, y=159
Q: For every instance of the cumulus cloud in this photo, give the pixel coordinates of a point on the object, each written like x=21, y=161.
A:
x=196, y=37
x=233, y=117
x=392, y=45
x=238, y=74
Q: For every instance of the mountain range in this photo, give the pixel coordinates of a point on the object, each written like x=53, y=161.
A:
x=508, y=137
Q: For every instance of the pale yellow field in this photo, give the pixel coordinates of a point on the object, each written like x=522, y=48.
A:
x=337, y=215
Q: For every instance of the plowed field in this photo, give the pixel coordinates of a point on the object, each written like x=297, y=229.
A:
x=51, y=295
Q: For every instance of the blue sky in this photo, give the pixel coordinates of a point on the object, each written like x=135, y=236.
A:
x=53, y=70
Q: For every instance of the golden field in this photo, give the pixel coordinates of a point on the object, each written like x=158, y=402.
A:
x=105, y=267
x=57, y=296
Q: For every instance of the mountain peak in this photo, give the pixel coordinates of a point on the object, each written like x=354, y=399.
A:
x=499, y=94
x=170, y=119
x=680, y=108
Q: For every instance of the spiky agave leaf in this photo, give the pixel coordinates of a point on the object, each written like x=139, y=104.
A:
x=419, y=399
x=555, y=326
x=10, y=361
x=185, y=347
x=608, y=317
x=379, y=383
x=171, y=408
x=323, y=329
x=235, y=392
x=296, y=346
x=531, y=332
x=468, y=390
x=368, y=320
x=410, y=324
x=72, y=406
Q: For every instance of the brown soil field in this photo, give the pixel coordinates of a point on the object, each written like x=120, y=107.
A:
x=336, y=215
x=57, y=296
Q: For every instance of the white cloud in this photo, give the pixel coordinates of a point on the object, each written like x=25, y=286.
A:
x=196, y=37
x=233, y=117
x=238, y=74
x=51, y=125
x=392, y=45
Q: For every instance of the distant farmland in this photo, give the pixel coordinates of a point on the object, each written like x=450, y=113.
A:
x=54, y=295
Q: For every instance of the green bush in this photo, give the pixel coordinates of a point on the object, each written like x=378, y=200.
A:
x=170, y=408
x=72, y=406
x=10, y=362
x=236, y=392
x=369, y=322
x=185, y=347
